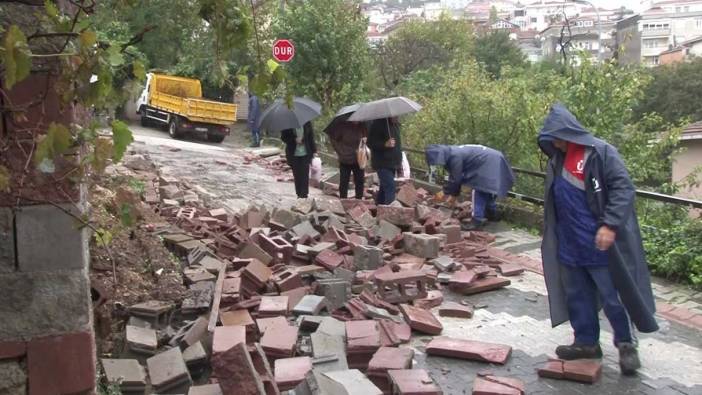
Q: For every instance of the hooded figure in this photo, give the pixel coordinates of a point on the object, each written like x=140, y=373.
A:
x=483, y=169
x=592, y=251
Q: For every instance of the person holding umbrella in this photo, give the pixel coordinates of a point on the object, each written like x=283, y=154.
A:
x=253, y=120
x=346, y=137
x=386, y=156
x=300, y=147
x=384, y=139
x=483, y=169
x=591, y=250
x=297, y=134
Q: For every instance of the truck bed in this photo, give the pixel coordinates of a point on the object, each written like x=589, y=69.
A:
x=195, y=109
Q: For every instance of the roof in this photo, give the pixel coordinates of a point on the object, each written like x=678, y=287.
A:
x=691, y=41
x=672, y=50
x=666, y=2
x=693, y=131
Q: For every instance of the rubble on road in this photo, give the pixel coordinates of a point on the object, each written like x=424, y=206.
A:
x=316, y=298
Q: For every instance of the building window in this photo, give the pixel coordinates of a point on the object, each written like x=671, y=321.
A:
x=519, y=13
x=656, y=26
x=655, y=43
x=698, y=23
x=533, y=19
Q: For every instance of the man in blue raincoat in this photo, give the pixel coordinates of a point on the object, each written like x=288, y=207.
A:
x=592, y=251
x=253, y=120
x=483, y=169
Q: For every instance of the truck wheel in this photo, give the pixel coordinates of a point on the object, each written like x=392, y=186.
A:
x=173, y=128
x=215, y=138
x=144, y=120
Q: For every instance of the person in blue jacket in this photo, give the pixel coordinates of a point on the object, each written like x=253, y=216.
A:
x=483, y=169
x=253, y=120
x=592, y=251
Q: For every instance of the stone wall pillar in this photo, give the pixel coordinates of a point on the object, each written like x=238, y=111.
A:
x=47, y=343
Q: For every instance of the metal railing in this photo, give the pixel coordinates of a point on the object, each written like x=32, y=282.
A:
x=536, y=200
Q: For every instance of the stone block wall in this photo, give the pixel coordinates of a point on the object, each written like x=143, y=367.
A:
x=47, y=344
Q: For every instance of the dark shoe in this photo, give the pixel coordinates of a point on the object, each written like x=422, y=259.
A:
x=474, y=224
x=629, y=361
x=576, y=351
x=493, y=215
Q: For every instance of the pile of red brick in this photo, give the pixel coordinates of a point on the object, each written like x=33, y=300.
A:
x=315, y=298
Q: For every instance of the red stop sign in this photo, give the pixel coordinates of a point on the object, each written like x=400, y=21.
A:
x=283, y=50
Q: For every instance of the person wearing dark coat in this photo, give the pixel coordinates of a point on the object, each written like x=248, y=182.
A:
x=592, y=251
x=300, y=147
x=483, y=169
x=386, y=156
x=345, y=137
x=254, y=117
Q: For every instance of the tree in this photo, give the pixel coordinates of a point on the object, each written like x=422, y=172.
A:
x=331, y=52
x=495, y=50
x=493, y=15
x=675, y=92
x=420, y=45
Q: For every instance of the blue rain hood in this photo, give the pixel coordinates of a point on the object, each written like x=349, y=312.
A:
x=561, y=124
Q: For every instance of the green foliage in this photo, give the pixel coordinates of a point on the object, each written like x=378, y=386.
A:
x=675, y=92
x=420, y=46
x=331, y=52
x=121, y=138
x=103, y=237
x=53, y=144
x=495, y=50
x=15, y=56
x=674, y=247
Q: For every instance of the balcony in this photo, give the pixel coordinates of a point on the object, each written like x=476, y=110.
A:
x=655, y=33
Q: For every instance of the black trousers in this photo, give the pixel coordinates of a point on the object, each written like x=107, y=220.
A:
x=345, y=176
x=301, y=173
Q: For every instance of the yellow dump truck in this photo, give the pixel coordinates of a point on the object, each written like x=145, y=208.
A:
x=177, y=102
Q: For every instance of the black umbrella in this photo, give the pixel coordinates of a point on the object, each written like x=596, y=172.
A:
x=279, y=117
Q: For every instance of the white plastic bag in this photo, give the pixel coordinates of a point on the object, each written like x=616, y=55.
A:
x=405, y=166
x=316, y=170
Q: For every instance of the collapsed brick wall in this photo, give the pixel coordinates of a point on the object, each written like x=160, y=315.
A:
x=46, y=338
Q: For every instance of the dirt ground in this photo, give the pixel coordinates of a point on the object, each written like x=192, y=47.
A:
x=144, y=268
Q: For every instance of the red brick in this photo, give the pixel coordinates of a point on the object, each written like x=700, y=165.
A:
x=421, y=320
x=238, y=318
x=236, y=373
x=12, y=349
x=510, y=269
x=407, y=195
x=433, y=299
x=581, y=370
x=484, y=285
x=295, y=296
x=662, y=307
x=279, y=341
x=226, y=337
x=493, y=385
x=400, y=216
x=264, y=323
x=289, y=372
x=62, y=364
x=680, y=314
x=455, y=310
x=413, y=382
x=329, y=259
x=696, y=321
x=273, y=306
x=469, y=349
x=390, y=358
x=462, y=279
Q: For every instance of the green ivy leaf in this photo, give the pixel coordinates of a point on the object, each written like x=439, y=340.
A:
x=139, y=70
x=103, y=237
x=87, y=39
x=55, y=142
x=4, y=179
x=272, y=65
x=51, y=10
x=114, y=56
x=126, y=214
x=121, y=138
x=101, y=154
x=16, y=58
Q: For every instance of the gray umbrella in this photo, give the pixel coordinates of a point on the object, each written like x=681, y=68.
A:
x=279, y=117
x=385, y=108
x=341, y=116
x=348, y=109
